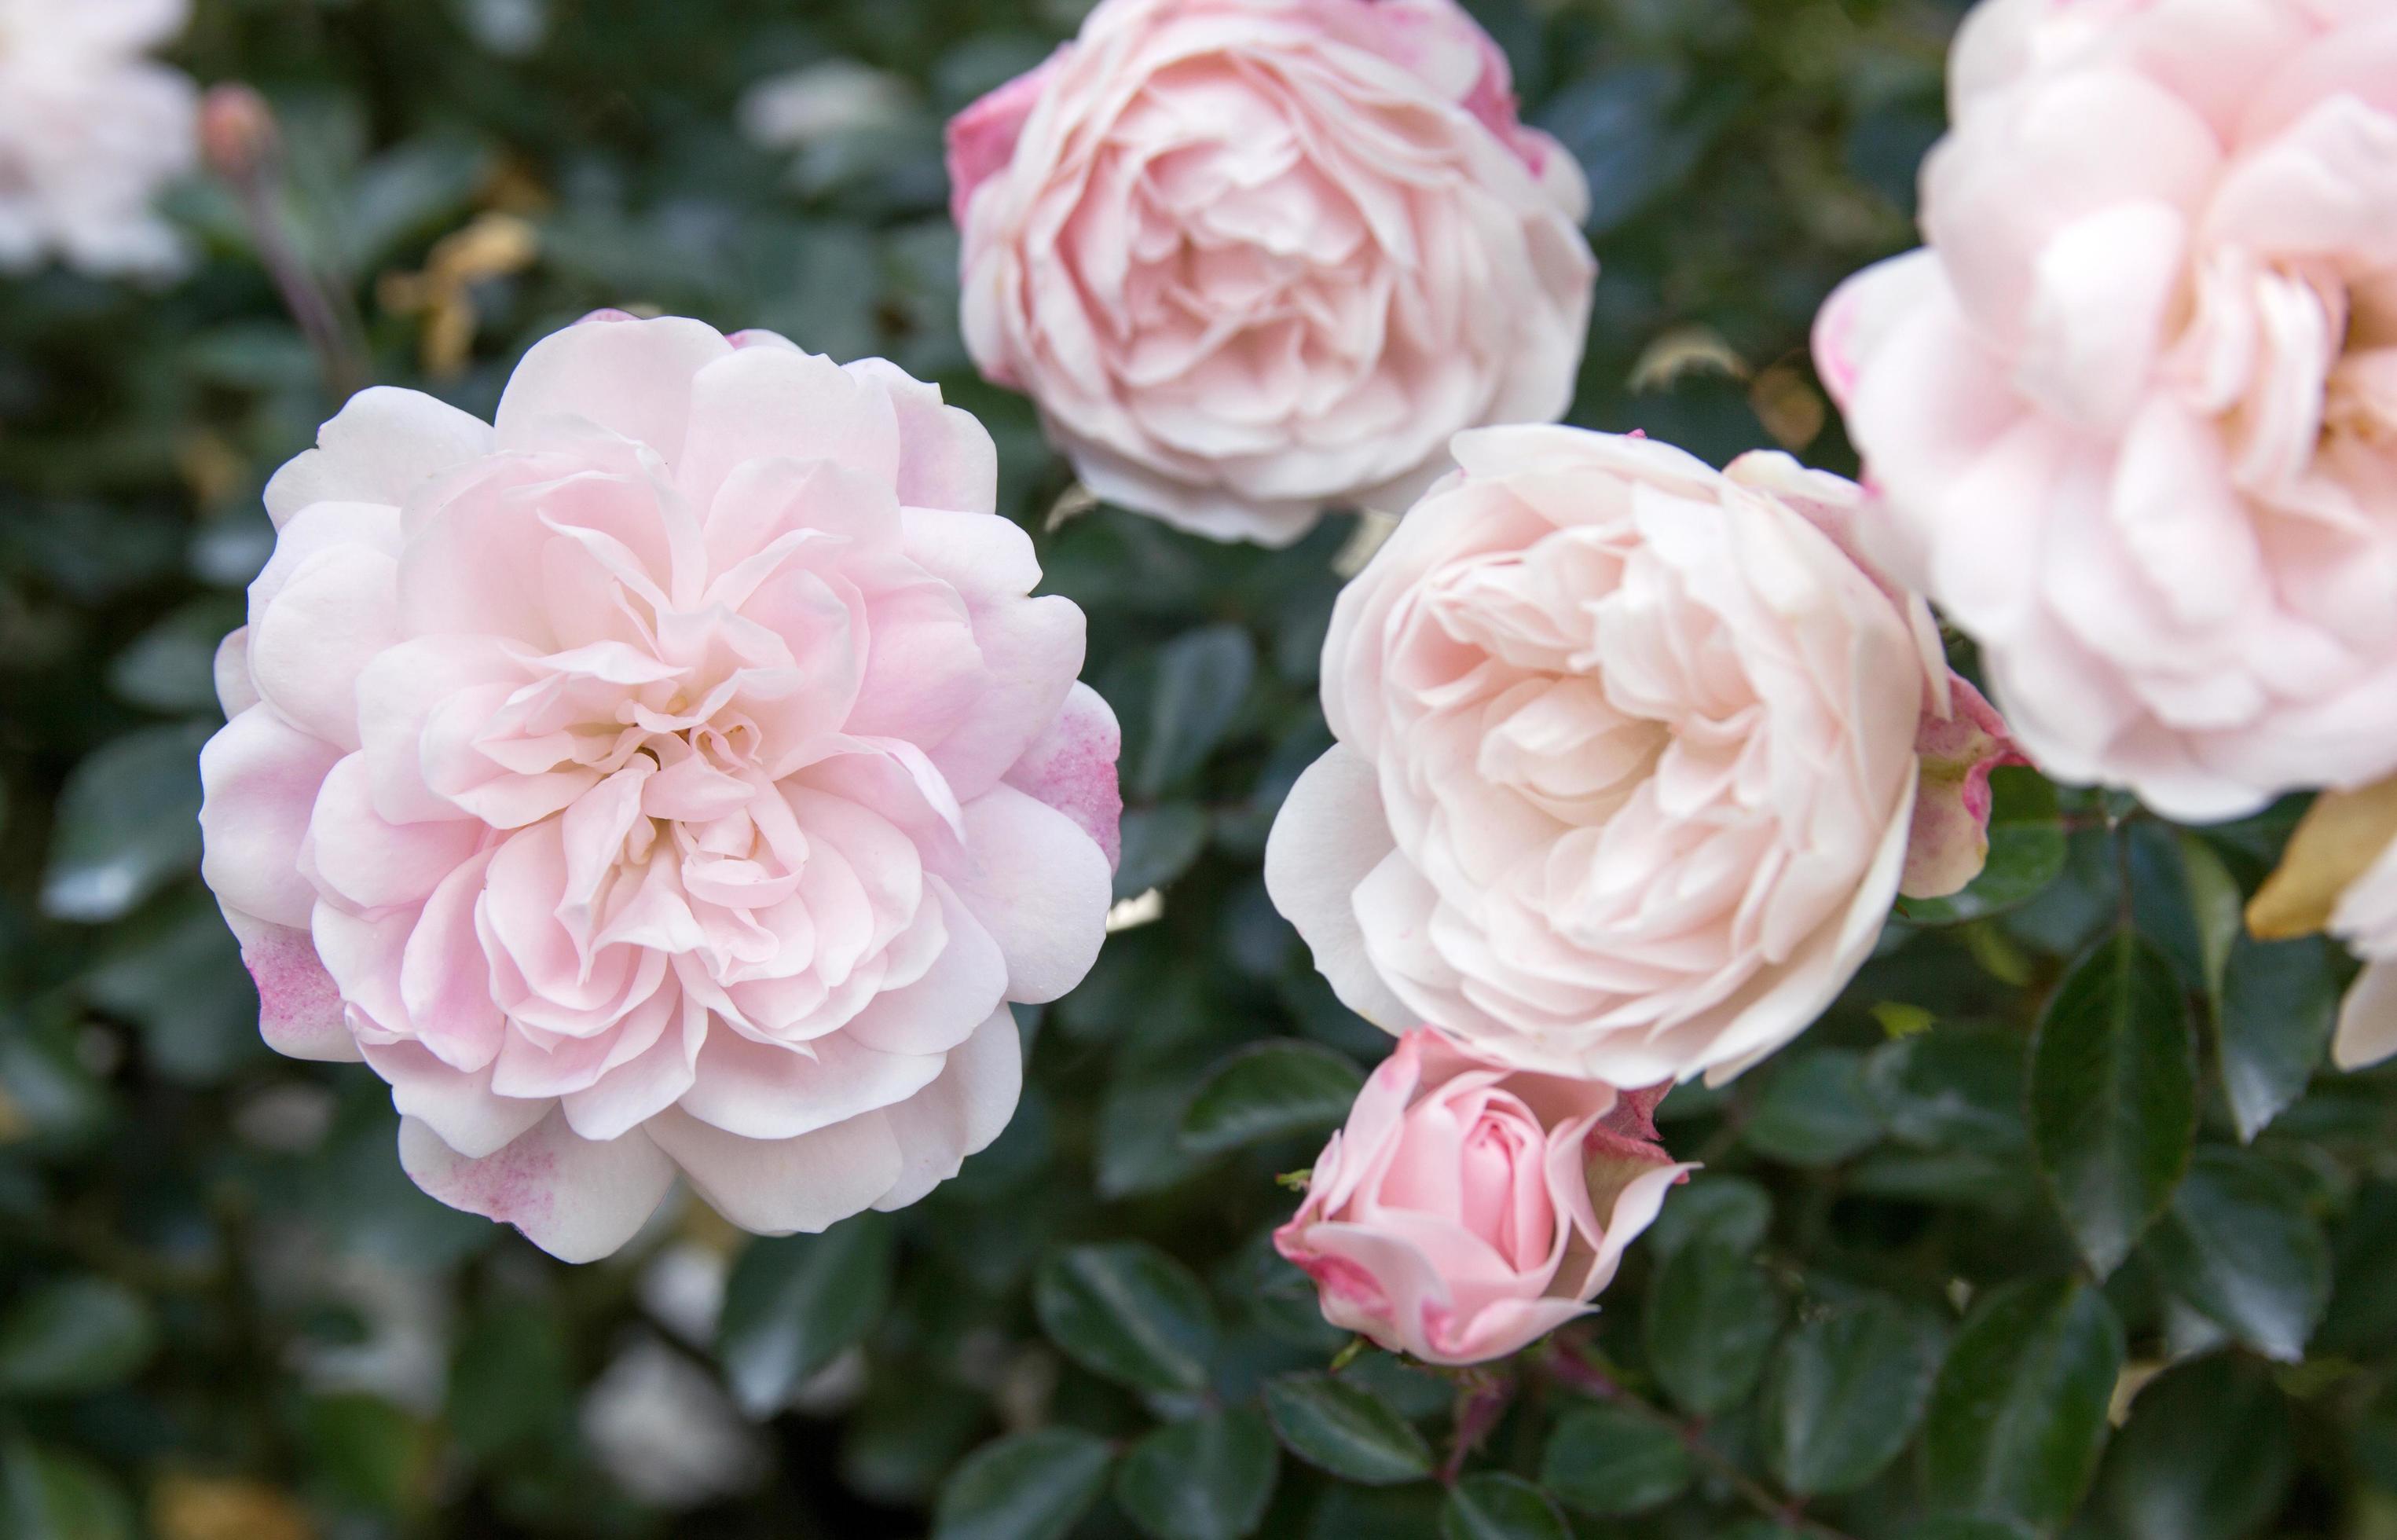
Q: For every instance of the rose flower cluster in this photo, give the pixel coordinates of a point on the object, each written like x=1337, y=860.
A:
x=678, y=776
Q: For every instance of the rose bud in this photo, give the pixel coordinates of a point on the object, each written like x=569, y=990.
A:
x=1468, y=1210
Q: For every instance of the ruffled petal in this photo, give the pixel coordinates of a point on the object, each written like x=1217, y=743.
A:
x=576, y=1199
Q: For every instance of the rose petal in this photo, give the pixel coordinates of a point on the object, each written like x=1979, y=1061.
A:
x=576, y=1199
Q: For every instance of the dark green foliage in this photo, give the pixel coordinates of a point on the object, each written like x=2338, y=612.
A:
x=793, y=1304
x=2113, y=1094
x=1871, y=1316
x=2019, y=1412
x=1345, y=1428
x=1209, y=1478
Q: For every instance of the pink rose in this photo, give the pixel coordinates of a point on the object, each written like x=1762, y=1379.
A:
x=1627, y=765
x=2133, y=408
x=90, y=131
x=673, y=776
x=1256, y=257
x=1469, y=1210
x=2367, y=920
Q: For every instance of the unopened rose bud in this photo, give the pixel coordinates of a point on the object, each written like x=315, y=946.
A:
x=1469, y=1210
x=237, y=133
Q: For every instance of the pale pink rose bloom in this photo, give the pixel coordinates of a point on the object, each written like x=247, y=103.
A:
x=90, y=130
x=1257, y=257
x=2133, y=408
x=1469, y=1210
x=1628, y=764
x=2367, y=920
x=675, y=776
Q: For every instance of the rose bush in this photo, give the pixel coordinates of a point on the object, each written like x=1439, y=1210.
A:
x=2133, y=408
x=1257, y=257
x=1468, y=1210
x=1627, y=772
x=673, y=776
x=2063, y=1176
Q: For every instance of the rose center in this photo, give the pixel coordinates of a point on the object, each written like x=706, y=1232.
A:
x=1500, y=1193
x=2291, y=357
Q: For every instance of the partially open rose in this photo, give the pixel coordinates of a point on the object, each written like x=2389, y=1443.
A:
x=1468, y=1210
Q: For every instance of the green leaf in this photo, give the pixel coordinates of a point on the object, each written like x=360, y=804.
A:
x=796, y=1302
x=1209, y=1478
x=176, y=971
x=365, y=1448
x=1269, y=1091
x=1128, y=1312
x=1728, y=1210
x=2279, y=1003
x=1346, y=1429
x=1493, y=1506
x=511, y=1385
x=1034, y=1486
x=418, y=187
x=1346, y=1512
x=2019, y=1415
x=2028, y=849
x=2173, y=900
x=1848, y=1388
x=1280, y=1299
x=2363, y=1313
x=1140, y=1132
x=48, y=1091
x=1952, y=1089
x=127, y=823
x=2113, y=1096
x=2238, y=1245
x=1202, y=677
x=1955, y=1526
x=906, y=1435
x=55, y=1494
x=1609, y=1461
x=74, y=1337
x=1711, y=1316
x=1158, y=844
x=2216, y=906
x=1815, y=1110
x=2207, y=1455
x=1626, y=128
x=171, y=668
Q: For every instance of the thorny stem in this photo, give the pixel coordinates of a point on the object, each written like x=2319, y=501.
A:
x=242, y=144
x=1570, y=1364
x=325, y=321
x=1481, y=1399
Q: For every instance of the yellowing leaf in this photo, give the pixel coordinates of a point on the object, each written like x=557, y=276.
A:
x=1684, y=351
x=203, y=1507
x=1792, y=410
x=2341, y=837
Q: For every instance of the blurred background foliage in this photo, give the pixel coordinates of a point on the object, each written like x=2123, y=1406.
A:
x=2011, y=1245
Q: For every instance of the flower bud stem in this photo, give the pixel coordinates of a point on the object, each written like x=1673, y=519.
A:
x=244, y=149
